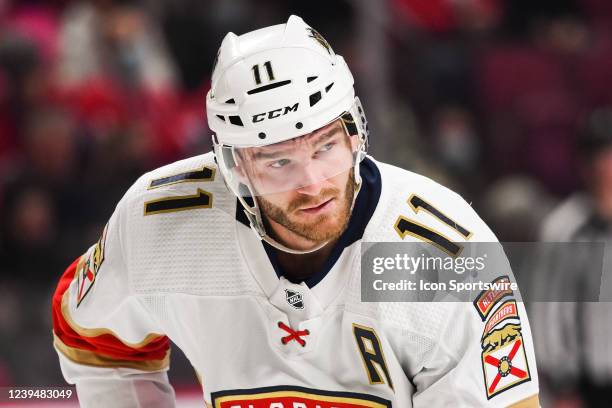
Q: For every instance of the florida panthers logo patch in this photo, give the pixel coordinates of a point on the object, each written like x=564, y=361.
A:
x=504, y=363
x=312, y=33
x=294, y=299
x=488, y=299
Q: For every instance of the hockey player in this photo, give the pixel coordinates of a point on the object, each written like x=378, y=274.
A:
x=248, y=259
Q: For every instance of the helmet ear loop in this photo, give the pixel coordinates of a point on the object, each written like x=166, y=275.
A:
x=252, y=211
x=352, y=129
x=362, y=125
x=220, y=161
x=245, y=183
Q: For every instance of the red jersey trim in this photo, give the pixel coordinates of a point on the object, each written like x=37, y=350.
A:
x=100, y=341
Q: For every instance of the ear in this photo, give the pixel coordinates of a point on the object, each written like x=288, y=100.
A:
x=239, y=170
x=354, y=141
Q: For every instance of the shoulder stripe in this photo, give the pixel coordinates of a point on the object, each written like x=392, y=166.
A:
x=86, y=332
x=529, y=402
x=86, y=357
x=102, y=342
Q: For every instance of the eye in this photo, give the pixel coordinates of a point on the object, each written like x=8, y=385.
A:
x=326, y=147
x=279, y=163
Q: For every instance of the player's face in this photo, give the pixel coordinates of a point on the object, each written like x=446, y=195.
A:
x=318, y=169
x=318, y=213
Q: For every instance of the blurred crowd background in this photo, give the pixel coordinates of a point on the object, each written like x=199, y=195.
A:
x=507, y=102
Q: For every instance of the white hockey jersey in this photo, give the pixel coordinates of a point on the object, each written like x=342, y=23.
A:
x=177, y=261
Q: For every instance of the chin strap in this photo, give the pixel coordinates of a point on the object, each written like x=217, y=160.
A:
x=284, y=248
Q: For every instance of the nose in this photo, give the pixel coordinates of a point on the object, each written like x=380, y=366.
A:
x=310, y=181
x=311, y=189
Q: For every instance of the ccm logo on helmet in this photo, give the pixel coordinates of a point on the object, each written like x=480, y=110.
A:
x=275, y=113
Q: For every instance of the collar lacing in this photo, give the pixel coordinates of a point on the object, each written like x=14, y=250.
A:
x=293, y=334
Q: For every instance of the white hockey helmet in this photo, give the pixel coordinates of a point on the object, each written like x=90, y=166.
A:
x=271, y=86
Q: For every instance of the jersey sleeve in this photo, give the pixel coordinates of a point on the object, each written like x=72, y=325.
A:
x=109, y=346
x=477, y=348
x=484, y=355
x=468, y=370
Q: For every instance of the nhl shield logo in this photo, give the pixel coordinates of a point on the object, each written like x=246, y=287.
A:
x=294, y=299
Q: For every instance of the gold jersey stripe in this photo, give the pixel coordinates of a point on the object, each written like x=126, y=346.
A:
x=85, y=332
x=90, y=358
x=529, y=402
